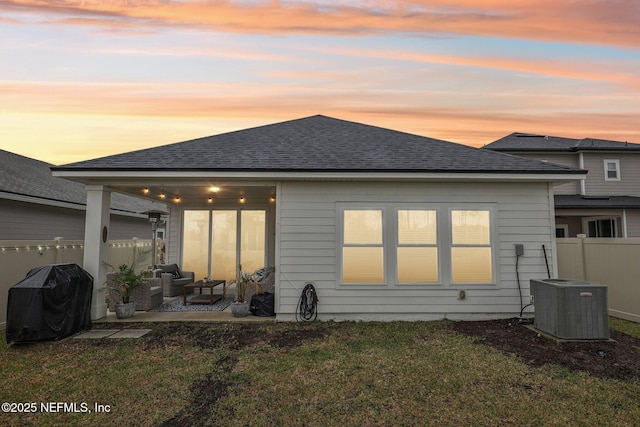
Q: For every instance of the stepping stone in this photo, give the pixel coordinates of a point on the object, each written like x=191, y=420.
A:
x=130, y=333
x=97, y=333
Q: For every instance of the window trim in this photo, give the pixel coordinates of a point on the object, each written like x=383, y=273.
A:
x=616, y=162
x=491, y=245
x=443, y=238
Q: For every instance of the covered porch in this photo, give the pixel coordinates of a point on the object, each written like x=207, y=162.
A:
x=212, y=226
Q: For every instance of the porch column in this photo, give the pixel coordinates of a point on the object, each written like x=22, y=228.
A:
x=96, y=235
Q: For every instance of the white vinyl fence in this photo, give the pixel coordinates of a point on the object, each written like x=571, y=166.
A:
x=18, y=257
x=611, y=262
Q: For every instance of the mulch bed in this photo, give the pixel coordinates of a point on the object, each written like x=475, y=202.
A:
x=618, y=358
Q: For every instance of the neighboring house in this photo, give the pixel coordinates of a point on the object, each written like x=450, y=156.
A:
x=385, y=224
x=604, y=204
x=34, y=205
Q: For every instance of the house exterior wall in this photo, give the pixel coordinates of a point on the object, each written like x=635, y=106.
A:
x=307, y=250
x=565, y=159
x=31, y=221
x=633, y=222
x=629, y=183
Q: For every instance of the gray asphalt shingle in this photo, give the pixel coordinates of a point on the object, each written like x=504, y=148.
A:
x=578, y=201
x=29, y=177
x=531, y=142
x=317, y=143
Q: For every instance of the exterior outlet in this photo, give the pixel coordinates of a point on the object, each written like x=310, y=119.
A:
x=462, y=295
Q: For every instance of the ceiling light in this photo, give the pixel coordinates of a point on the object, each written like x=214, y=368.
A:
x=162, y=195
x=241, y=199
x=210, y=200
x=214, y=189
x=145, y=190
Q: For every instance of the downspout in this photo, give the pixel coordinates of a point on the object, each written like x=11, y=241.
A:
x=624, y=223
x=583, y=184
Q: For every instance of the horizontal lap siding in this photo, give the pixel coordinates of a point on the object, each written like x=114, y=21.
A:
x=565, y=159
x=629, y=174
x=308, y=246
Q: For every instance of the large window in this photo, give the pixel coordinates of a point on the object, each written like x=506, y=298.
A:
x=216, y=241
x=417, y=244
x=417, y=250
x=471, y=259
x=362, y=249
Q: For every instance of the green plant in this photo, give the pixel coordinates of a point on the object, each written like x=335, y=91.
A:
x=127, y=278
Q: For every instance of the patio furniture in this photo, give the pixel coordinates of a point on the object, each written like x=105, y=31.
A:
x=173, y=279
x=265, y=285
x=146, y=297
x=200, y=284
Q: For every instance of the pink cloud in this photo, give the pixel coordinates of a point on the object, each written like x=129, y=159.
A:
x=596, y=21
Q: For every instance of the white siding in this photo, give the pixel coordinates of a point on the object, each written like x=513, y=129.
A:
x=633, y=223
x=564, y=159
x=308, y=249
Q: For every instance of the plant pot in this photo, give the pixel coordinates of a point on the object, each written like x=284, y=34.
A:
x=124, y=311
x=240, y=309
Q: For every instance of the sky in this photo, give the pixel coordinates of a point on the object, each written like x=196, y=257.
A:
x=81, y=79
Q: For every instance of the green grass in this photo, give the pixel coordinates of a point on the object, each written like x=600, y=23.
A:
x=346, y=374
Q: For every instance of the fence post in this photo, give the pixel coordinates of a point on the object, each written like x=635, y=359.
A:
x=582, y=255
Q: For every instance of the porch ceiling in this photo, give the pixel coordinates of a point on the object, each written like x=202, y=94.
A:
x=200, y=193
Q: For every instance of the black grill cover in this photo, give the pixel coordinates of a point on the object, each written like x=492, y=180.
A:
x=262, y=305
x=52, y=302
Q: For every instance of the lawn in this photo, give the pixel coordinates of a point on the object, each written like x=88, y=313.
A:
x=320, y=374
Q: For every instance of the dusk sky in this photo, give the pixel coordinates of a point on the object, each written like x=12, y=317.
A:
x=81, y=79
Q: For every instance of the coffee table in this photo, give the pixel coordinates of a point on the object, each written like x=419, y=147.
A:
x=201, y=284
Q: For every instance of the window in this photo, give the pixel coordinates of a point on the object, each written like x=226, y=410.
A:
x=562, y=230
x=417, y=250
x=612, y=170
x=471, y=255
x=605, y=227
x=415, y=244
x=362, y=249
x=216, y=241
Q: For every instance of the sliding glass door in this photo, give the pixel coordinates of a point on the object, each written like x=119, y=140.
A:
x=216, y=241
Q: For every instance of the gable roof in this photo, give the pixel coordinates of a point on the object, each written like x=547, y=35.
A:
x=23, y=177
x=317, y=144
x=532, y=142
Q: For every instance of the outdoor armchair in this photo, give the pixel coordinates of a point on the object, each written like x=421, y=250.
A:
x=173, y=279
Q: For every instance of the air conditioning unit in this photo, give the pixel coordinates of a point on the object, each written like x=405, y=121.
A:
x=571, y=309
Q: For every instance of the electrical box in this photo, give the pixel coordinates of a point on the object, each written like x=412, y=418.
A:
x=571, y=309
x=519, y=249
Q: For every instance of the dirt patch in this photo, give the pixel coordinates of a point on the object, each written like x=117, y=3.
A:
x=616, y=359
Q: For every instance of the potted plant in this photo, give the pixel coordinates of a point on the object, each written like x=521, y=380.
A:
x=123, y=281
x=240, y=307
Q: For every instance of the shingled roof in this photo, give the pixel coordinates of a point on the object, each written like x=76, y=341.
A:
x=318, y=144
x=532, y=142
x=26, y=177
x=563, y=201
